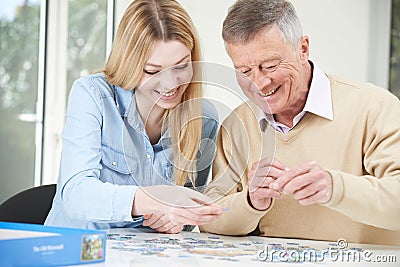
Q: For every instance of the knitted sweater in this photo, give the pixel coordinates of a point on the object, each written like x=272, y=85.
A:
x=360, y=148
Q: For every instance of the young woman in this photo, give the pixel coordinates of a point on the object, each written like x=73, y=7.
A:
x=133, y=132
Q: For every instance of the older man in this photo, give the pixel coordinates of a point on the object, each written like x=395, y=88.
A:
x=311, y=155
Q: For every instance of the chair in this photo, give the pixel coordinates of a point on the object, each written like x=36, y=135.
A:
x=29, y=206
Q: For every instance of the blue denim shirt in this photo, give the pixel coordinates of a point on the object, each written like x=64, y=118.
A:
x=107, y=154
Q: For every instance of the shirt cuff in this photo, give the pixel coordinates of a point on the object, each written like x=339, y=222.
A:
x=122, y=203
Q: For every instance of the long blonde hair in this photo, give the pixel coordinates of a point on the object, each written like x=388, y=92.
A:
x=143, y=23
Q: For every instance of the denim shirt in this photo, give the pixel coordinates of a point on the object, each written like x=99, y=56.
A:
x=107, y=154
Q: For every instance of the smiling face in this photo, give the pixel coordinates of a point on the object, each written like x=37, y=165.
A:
x=166, y=75
x=273, y=74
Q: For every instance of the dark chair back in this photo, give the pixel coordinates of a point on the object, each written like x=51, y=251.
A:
x=29, y=206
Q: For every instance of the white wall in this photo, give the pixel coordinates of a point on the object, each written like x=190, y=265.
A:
x=349, y=38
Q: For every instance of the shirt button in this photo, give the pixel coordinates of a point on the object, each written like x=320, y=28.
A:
x=114, y=163
x=148, y=156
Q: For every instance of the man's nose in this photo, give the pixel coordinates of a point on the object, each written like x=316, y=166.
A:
x=260, y=79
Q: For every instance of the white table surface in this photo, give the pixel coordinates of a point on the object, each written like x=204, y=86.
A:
x=134, y=248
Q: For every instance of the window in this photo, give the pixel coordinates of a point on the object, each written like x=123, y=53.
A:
x=44, y=47
x=20, y=103
x=79, y=36
x=87, y=36
x=395, y=49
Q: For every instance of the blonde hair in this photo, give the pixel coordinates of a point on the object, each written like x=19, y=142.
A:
x=144, y=23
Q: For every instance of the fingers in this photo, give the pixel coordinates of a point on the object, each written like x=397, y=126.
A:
x=199, y=215
x=264, y=172
x=267, y=167
x=205, y=208
x=268, y=161
x=306, y=191
x=260, y=177
x=155, y=221
x=267, y=171
x=154, y=198
x=281, y=182
x=311, y=194
x=262, y=193
x=180, y=205
x=317, y=192
x=308, y=183
x=319, y=197
x=175, y=230
x=198, y=198
x=167, y=208
x=147, y=216
x=260, y=182
x=162, y=224
x=297, y=183
x=208, y=209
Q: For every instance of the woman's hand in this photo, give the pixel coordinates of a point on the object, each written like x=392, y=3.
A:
x=173, y=207
x=160, y=223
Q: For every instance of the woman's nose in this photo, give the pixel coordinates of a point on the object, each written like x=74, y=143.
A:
x=168, y=79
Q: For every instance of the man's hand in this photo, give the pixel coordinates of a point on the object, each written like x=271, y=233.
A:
x=308, y=183
x=261, y=175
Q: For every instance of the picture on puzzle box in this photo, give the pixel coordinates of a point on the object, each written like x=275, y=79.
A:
x=92, y=247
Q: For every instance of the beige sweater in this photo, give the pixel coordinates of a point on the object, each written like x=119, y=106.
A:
x=360, y=148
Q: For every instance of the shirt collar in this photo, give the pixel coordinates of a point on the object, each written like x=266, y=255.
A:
x=319, y=100
x=122, y=99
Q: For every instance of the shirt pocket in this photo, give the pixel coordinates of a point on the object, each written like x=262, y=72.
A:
x=117, y=168
x=168, y=169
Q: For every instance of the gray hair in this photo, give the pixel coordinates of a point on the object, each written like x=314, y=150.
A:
x=246, y=18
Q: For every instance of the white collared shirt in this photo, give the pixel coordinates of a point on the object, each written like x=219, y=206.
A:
x=319, y=102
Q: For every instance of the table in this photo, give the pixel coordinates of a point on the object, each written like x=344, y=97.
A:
x=135, y=248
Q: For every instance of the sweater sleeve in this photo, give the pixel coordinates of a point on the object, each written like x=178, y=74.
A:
x=229, y=185
x=373, y=198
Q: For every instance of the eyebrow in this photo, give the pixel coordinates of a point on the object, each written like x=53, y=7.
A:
x=158, y=66
x=261, y=62
x=241, y=66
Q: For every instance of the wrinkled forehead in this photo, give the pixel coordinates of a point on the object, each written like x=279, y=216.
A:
x=267, y=45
